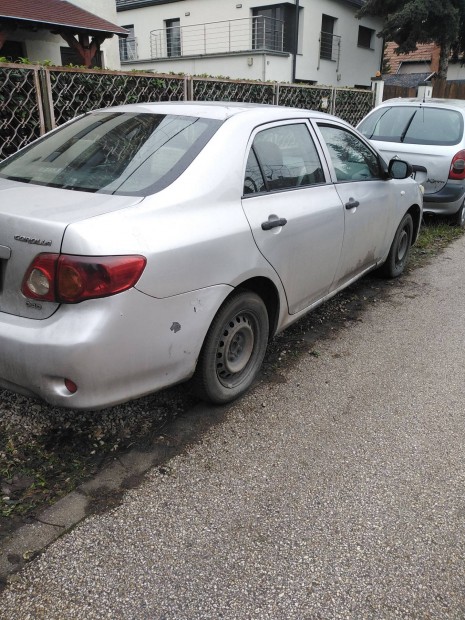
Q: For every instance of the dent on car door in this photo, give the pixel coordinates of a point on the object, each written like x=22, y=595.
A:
x=295, y=214
x=367, y=197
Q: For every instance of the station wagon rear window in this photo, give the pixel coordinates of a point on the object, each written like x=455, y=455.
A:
x=414, y=125
x=113, y=153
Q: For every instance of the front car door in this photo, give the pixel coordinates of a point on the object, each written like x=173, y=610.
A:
x=367, y=197
x=294, y=210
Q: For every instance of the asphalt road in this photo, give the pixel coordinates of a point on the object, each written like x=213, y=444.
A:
x=337, y=492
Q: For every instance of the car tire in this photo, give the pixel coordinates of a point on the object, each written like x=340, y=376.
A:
x=458, y=219
x=400, y=248
x=233, y=350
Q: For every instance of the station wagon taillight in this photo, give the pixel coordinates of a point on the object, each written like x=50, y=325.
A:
x=64, y=278
x=457, y=167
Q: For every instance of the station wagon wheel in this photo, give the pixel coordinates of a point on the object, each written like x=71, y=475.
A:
x=458, y=219
x=233, y=350
x=400, y=248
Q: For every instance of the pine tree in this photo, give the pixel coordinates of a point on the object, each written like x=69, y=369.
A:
x=408, y=22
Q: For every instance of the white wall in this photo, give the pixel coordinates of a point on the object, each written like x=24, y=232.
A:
x=456, y=71
x=263, y=67
x=356, y=66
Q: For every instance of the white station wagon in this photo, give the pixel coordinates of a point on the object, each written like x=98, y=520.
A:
x=145, y=244
x=430, y=135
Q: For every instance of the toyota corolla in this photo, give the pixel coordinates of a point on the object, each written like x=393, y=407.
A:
x=144, y=245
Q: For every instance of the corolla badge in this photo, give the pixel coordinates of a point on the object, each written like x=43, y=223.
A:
x=32, y=240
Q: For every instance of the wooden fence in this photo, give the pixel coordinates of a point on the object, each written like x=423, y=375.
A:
x=449, y=89
x=441, y=88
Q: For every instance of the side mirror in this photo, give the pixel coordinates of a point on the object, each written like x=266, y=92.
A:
x=399, y=169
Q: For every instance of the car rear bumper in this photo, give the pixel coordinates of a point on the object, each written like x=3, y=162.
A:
x=447, y=201
x=113, y=349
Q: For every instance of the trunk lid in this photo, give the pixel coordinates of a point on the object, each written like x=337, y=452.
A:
x=33, y=219
x=435, y=159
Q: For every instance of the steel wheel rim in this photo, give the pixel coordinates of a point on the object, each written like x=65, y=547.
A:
x=402, y=248
x=235, y=349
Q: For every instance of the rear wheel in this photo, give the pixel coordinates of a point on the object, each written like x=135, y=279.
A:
x=400, y=248
x=233, y=350
x=458, y=219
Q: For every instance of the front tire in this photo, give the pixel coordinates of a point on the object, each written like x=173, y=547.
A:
x=234, y=348
x=400, y=248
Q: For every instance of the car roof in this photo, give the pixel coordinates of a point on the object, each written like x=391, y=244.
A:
x=220, y=110
x=419, y=101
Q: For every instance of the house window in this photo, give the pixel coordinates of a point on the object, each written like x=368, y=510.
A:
x=127, y=47
x=173, y=37
x=365, y=37
x=273, y=28
x=327, y=37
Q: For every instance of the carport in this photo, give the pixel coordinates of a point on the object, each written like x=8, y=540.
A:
x=83, y=31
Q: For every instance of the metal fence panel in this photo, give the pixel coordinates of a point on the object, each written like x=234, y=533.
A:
x=21, y=117
x=229, y=90
x=76, y=91
x=352, y=105
x=308, y=97
x=35, y=99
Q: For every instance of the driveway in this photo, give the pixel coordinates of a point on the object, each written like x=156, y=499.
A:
x=337, y=492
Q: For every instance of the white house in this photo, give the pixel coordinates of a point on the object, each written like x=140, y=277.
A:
x=313, y=41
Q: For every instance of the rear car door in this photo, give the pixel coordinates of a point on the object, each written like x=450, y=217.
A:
x=367, y=197
x=293, y=209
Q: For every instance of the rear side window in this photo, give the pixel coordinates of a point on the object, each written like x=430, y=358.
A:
x=414, y=125
x=282, y=157
x=113, y=153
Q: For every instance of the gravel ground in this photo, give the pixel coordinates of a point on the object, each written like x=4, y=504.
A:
x=335, y=492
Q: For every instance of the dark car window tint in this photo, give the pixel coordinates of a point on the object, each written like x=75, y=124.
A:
x=288, y=157
x=253, y=181
x=113, y=152
x=414, y=125
x=352, y=159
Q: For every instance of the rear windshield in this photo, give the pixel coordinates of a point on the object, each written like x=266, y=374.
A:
x=414, y=125
x=113, y=153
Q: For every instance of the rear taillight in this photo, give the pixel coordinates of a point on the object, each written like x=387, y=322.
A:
x=457, y=167
x=70, y=279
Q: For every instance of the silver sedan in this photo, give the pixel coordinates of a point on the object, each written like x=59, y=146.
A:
x=144, y=245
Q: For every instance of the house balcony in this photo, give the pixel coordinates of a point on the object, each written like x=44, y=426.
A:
x=258, y=33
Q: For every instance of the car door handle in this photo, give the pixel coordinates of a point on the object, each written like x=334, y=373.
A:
x=269, y=224
x=352, y=203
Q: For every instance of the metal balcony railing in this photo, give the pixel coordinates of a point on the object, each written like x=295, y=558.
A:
x=128, y=49
x=223, y=37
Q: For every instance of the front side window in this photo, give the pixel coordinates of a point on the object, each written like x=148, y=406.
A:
x=283, y=157
x=351, y=158
x=113, y=153
x=414, y=125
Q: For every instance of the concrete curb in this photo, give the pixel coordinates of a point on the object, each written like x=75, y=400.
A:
x=104, y=491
